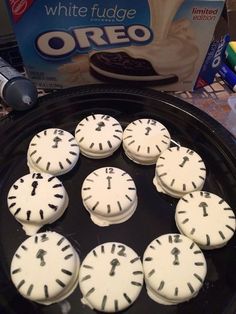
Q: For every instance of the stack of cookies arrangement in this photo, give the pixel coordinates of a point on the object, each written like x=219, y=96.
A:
x=46, y=268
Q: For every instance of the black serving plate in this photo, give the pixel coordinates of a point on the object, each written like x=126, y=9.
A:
x=188, y=126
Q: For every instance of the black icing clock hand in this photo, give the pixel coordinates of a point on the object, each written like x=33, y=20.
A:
x=100, y=125
x=40, y=254
x=109, y=182
x=148, y=129
x=115, y=262
x=175, y=251
x=56, y=140
x=185, y=159
x=204, y=207
x=34, y=186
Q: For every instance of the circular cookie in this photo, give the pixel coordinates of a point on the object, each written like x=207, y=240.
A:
x=205, y=218
x=111, y=277
x=109, y=195
x=53, y=151
x=37, y=199
x=119, y=66
x=174, y=269
x=179, y=170
x=45, y=268
x=144, y=140
x=98, y=136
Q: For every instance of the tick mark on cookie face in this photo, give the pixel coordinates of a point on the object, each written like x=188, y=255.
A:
x=60, y=283
x=46, y=291
x=34, y=152
x=28, y=213
x=41, y=214
x=151, y=273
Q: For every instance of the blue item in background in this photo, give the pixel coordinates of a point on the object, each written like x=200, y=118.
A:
x=228, y=76
x=16, y=90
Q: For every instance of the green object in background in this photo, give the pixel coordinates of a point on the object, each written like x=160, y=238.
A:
x=231, y=55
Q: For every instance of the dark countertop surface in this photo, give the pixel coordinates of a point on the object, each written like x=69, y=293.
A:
x=213, y=99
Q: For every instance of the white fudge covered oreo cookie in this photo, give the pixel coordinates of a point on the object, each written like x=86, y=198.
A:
x=174, y=269
x=98, y=136
x=109, y=194
x=45, y=268
x=53, y=151
x=144, y=140
x=205, y=218
x=111, y=277
x=179, y=170
x=37, y=199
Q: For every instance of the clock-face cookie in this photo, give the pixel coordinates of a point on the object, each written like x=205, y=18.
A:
x=179, y=170
x=144, y=140
x=109, y=195
x=45, y=268
x=37, y=199
x=174, y=269
x=53, y=151
x=205, y=218
x=98, y=135
x=111, y=277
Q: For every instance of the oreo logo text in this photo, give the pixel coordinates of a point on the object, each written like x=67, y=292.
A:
x=218, y=55
x=60, y=43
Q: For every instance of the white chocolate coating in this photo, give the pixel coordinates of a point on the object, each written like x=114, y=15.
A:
x=37, y=199
x=111, y=277
x=179, y=170
x=53, y=151
x=45, y=268
x=98, y=136
x=206, y=219
x=174, y=269
x=109, y=194
x=144, y=140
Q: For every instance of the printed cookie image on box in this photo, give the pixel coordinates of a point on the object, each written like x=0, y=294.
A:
x=157, y=43
x=170, y=57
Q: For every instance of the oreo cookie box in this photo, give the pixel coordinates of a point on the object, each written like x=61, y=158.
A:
x=154, y=43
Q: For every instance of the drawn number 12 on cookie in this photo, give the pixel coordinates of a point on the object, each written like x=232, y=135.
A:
x=109, y=170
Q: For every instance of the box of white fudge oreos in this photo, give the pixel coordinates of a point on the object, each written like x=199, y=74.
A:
x=154, y=43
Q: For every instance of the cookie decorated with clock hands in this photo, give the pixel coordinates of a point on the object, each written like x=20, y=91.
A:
x=144, y=140
x=205, y=218
x=109, y=195
x=111, y=277
x=98, y=136
x=174, y=269
x=179, y=170
x=53, y=151
x=37, y=199
x=45, y=268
